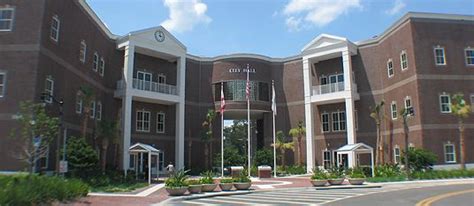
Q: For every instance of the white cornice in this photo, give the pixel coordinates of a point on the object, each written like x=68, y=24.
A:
x=243, y=55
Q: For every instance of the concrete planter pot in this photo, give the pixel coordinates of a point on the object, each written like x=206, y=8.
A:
x=194, y=189
x=336, y=181
x=226, y=186
x=319, y=183
x=209, y=187
x=356, y=181
x=242, y=185
x=176, y=191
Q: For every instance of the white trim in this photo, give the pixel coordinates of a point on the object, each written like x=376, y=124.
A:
x=143, y=121
x=12, y=20
x=57, y=29
x=403, y=53
x=392, y=111
x=101, y=66
x=466, y=57
x=95, y=62
x=93, y=110
x=390, y=68
x=453, y=153
x=395, y=156
x=99, y=110
x=441, y=103
x=162, y=76
x=330, y=158
x=83, y=51
x=49, y=82
x=405, y=103
x=328, y=123
x=438, y=47
x=78, y=102
x=158, y=122
x=3, y=77
x=339, y=122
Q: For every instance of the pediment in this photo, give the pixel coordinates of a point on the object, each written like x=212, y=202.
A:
x=324, y=41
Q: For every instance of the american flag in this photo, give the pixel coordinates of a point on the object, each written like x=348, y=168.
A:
x=222, y=99
x=247, y=87
x=274, y=107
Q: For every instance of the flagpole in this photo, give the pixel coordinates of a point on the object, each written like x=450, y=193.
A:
x=248, y=120
x=222, y=130
x=274, y=136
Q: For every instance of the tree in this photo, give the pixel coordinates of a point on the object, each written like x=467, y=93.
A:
x=208, y=134
x=298, y=133
x=35, y=124
x=461, y=110
x=405, y=113
x=108, y=134
x=377, y=114
x=87, y=95
x=420, y=159
x=82, y=158
x=282, y=145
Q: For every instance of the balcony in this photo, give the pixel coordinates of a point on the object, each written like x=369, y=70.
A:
x=332, y=93
x=150, y=86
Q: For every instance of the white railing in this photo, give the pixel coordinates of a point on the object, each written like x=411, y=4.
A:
x=150, y=86
x=331, y=88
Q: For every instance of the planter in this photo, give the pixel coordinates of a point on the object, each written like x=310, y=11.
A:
x=242, y=185
x=357, y=181
x=176, y=191
x=194, y=189
x=209, y=187
x=226, y=186
x=336, y=181
x=319, y=183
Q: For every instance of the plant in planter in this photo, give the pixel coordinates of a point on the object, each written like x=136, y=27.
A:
x=336, y=176
x=319, y=178
x=176, y=183
x=207, y=182
x=226, y=184
x=357, y=176
x=194, y=186
x=242, y=182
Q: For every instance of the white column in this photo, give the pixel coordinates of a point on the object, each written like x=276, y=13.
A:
x=350, y=121
x=179, y=143
x=308, y=115
x=127, y=103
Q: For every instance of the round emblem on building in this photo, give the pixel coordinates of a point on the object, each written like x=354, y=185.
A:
x=159, y=36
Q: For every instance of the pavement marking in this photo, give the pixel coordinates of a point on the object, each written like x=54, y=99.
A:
x=286, y=198
x=195, y=202
x=261, y=200
x=219, y=201
x=431, y=200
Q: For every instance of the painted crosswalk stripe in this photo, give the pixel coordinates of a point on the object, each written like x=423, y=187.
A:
x=306, y=194
x=286, y=197
x=195, y=203
x=255, y=201
x=300, y=196
x=208, y=201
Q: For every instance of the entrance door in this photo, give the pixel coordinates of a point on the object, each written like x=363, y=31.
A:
x=144, y=80
x=260, y=135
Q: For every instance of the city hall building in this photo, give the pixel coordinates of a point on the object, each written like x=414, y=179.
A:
x=160, y=94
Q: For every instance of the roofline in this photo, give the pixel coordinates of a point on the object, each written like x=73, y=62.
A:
x=97, y=20
x=168, y=34
x=244, y=55
x=414, y=15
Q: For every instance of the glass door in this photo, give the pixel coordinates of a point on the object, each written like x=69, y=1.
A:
x=144, y=80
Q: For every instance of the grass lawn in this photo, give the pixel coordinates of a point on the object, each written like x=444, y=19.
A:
x=119, y=187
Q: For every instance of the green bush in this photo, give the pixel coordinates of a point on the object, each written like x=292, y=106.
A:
x=264, y=157
x=420, y=159
x=232, y=157
x=442, y=174
x=82, y=158
x=39, y=190
x=336, y=172
x=226, y=180
x=207, y=177
x=193, y=182
x=318, y=174
x=177, y=179
x=388, y=170
x=242, y=178
x=291, y=170
x=356, y=173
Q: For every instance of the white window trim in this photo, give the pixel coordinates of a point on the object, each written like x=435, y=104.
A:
x=406, y=106
x=99, y=110
x=445, y=154
x=46, y=159
x=388, y=68
x=4, y=84
x=162, y=76
x=132, y=161
x=12, y=20
x=55, y=38
x=441, y=103
x=338, y=112
x=49, y=99
x=330, y=158
x=101, y=66
x=393, y=111
x=436, y=57
x=395, y=154
x=83, y=51
x=79, y=102
x=143, y=121
x=401, y=60
x=92, y=109
x=411, y=146
x=465, y=56
x=328, y=122
x=164, y=122
x=95, y=62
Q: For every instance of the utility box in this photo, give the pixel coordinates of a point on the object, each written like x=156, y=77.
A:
x=264, y=171
x=235, y=171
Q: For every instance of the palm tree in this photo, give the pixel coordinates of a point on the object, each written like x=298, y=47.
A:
x=87, y=96
x=207, y=136
x=461, y=110
x=107, y=133
x=282, y=145
x=298, y=133
x=377, y=114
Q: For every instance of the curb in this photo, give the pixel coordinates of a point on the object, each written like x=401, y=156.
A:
x=425, y=181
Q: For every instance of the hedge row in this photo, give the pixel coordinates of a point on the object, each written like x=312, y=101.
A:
x=39, y=190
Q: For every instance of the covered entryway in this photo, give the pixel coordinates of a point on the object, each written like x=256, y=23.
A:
x=348, y=155
x=145, y=159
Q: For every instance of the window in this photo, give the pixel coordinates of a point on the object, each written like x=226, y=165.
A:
x=325, y=122
x=404, y=60
x=408, y=104
x=339, y=121
x=445, y=103
x=449, y=153
x=396, y=154
x=469, y=53
x=327, y=159
x=440, y=57
x=324, y=80
x=82, y=51
x=93, y=110
x=390, y=68
x=160, y=122
x=95, y=62
x=131, y=164
x=43, y=162
x=143, y=121
x=234, y=90
x=48, y=90
x=101, y=67
x=99, y=111
x=162, y=79
x=6, y=19
x=3, y=79
x=78, y=104
x=411, y=146
x=393, y=108
x=55, y=25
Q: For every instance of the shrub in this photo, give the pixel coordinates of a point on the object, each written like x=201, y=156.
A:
x=207, y=178
x=336, y=172
x=291, y=170
x=82, y=158
x=387, y=170
x=357, y=173
x=232, y=157
x=176, y=180
x=264, y=157
x=226, y=180
x=242, y=178
x=318, y=174
x=420, y=159
x=193, y=182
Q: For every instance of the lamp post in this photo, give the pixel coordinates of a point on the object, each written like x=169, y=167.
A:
x=405, y=114
x=60, y=102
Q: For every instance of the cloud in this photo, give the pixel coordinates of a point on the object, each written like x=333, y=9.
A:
x=184, y=15
x=397, y=7
x=306, y=13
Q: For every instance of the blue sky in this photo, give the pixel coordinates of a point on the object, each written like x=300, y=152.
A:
x=276, y=28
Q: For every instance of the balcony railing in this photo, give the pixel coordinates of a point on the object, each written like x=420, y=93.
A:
x=331, y=88
x=150, y=86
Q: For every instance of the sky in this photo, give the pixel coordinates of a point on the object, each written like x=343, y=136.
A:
x=274, y=28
